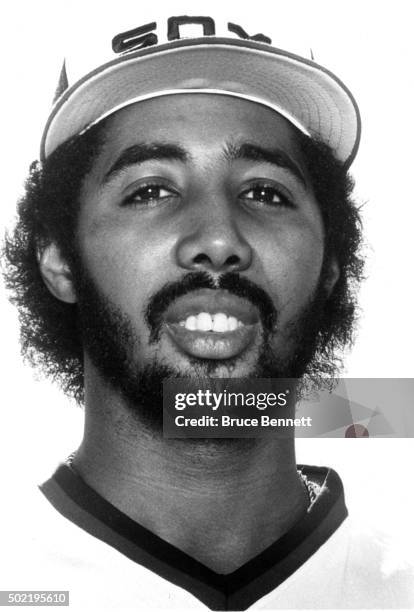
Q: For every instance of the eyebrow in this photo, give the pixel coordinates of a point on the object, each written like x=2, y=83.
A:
x=140, y=153
x=252, y=152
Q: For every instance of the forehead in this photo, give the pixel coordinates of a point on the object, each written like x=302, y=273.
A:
x=201, y=123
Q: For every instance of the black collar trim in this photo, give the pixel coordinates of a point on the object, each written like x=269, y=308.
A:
x=78, y=502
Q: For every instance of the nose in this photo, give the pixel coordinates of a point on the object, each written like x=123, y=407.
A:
x=213, y=241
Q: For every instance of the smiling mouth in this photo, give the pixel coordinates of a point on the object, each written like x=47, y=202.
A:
x=212, y=324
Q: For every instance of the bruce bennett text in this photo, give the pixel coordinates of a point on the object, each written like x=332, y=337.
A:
x=227, y=421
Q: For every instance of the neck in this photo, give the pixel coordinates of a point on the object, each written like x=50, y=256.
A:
x=220, y=501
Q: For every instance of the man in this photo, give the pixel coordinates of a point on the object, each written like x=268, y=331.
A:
x=191, y=216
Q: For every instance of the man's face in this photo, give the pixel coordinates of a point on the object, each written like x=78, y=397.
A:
x=189, y=191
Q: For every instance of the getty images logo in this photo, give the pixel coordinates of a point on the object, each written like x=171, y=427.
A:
x=205, y=398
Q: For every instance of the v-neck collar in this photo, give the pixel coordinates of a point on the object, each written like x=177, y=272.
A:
x=82, y=505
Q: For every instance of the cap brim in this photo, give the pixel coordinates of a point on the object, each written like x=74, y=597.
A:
x=308, y=95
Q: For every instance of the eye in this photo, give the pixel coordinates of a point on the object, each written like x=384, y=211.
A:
x=149, y=193
x=265, y=193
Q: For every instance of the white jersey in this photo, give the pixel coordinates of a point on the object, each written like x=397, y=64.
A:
x=107, y=561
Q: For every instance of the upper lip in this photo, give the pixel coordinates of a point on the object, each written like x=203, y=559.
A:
x=212, y=301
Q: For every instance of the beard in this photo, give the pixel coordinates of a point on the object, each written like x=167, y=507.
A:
x=112, y=345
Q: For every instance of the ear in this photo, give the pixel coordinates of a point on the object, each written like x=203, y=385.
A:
x=56, y=274
x=332, y=275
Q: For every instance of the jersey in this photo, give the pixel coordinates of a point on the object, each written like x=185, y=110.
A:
x=75, y=540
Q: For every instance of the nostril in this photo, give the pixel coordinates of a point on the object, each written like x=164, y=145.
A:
x=201, y=258
x=233, y=260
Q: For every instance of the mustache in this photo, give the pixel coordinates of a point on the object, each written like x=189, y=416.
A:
x=231, y=282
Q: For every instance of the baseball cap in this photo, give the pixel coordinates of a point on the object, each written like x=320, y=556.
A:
x=200, y=55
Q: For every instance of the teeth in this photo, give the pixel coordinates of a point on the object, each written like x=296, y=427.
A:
x=220, y=322
x=232, y=323
x=191, y=323
x=204, y=321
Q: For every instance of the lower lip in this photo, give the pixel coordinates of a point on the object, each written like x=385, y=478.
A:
x=212, y=345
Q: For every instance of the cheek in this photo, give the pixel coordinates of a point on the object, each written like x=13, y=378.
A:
x=128, y=263
x=292, y=263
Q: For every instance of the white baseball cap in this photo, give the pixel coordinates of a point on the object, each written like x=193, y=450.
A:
x=147, y=62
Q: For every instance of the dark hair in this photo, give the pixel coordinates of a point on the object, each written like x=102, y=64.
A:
x=333, y=186
x=48, y=213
